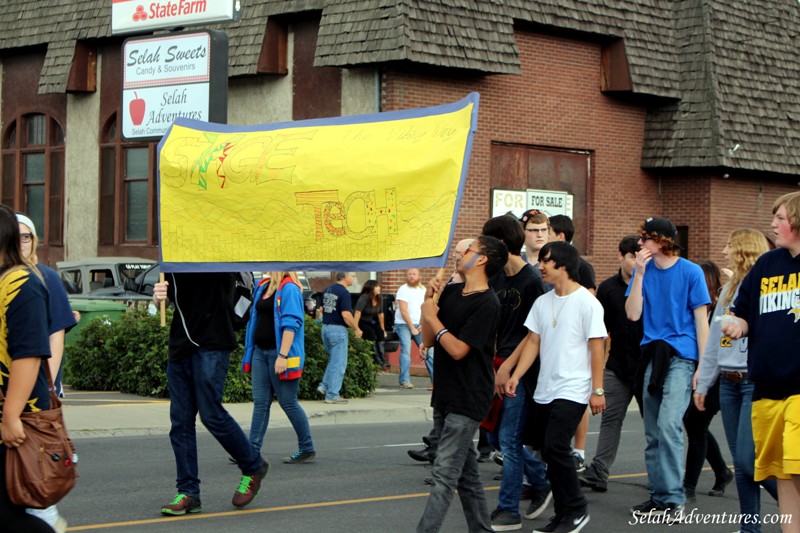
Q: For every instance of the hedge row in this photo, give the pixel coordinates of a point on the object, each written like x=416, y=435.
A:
x=130, y=355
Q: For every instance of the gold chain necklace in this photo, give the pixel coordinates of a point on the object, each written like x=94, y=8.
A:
x=553, y=306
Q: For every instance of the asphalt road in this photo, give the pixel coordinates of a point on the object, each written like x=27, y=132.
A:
x=362, y=481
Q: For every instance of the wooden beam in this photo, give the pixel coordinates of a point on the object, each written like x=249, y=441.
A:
x=616, y=74
x=83, y=72
x=274, y=49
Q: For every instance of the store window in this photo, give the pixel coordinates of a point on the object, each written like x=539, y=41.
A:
x=127, y=189
x=33, y=173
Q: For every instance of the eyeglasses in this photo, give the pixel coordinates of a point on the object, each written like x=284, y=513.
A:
x=537, y=230
x=26, y=237
x=476, y=252
x=645, y=237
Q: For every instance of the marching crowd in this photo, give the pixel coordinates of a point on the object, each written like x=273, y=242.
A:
x=524, y=348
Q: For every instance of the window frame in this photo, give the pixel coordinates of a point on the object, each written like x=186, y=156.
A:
x=113, y=194
x=15, y=148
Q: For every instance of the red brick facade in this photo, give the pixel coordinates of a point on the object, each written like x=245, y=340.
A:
x=557, y=103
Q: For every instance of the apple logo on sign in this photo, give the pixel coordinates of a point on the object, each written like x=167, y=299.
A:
x=137, y=108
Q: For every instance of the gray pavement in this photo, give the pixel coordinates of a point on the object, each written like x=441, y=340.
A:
x=112, y=414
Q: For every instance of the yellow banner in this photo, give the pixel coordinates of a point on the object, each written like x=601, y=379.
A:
x=369, y=192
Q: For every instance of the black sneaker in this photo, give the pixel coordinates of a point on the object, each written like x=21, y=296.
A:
x=428, y=455
x=674, y=514
x=182, y=504
x=591, y=479
x=539, y=501
x=485, y=457
x=505, y=521
x=580, y=464
x=498, y=458
x=648, y=507
x=299, y=457
x=564, y=524
x=721, y=483
x=691, y=496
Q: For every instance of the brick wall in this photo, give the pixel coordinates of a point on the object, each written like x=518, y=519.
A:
x=556, y=102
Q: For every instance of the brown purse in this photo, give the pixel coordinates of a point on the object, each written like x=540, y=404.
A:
x=41, y=471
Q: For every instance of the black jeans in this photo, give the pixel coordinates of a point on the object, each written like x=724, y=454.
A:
x=371, y=331
x=14, y=517
x=702, y=444
x=556, y=422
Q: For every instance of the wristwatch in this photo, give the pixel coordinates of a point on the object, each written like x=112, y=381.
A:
x=283, y=356
x=599, y=391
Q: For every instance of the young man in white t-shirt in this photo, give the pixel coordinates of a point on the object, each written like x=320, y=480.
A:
x=406, y=321
x=567, y=332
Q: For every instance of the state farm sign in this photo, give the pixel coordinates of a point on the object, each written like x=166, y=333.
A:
x=128, y=16
x=176, y=75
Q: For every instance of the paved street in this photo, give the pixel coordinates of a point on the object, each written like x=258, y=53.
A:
x=362, y=481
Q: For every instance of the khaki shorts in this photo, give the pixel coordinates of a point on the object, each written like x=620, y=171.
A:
x=776, y=432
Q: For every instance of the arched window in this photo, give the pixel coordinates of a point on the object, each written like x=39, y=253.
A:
x=33, y=173
x=127, y=191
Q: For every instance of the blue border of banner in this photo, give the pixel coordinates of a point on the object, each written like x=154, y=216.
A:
x=336, y=266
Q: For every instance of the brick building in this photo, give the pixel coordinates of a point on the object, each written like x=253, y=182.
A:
x=687, y=109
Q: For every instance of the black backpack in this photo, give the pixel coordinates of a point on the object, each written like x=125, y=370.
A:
x=242, y=299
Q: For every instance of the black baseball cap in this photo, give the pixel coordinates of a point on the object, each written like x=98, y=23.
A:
x=660, y=226
x=530, y=213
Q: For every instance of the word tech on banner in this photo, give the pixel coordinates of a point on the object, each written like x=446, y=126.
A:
x=366, y=192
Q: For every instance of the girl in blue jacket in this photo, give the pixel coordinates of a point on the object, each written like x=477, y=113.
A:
x=275, y=354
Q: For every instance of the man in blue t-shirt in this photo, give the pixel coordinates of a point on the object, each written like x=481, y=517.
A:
x=669, y=293
x=337, y=315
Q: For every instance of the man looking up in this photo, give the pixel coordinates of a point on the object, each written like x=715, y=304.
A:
x=462, y=328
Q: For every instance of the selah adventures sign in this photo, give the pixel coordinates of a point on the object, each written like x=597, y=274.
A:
x=128, y=16
x=171, y=76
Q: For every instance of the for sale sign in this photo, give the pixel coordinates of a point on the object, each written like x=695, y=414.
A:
x=128, y=16
x=171, y=76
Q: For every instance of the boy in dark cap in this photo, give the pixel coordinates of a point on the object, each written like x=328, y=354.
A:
x=669, y=293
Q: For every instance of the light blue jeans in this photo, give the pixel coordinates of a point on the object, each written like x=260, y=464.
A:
x=404, y=336
x=267, y=384
x=736, y=400
x=663, y=429
x=456, y=467
x=516, y=458
x=334, y=337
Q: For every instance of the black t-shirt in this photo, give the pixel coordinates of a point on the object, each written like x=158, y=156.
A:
x=465, y=386
x=203, y=310
x=516, y=294
x=586, y=274
x=264, y=334
x=626, y=336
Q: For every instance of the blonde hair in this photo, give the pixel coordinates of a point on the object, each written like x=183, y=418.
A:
x=276, y=278
x=746, y=246
x=791, y=201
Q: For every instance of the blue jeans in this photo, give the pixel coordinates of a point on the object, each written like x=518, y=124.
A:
x=404, y=336
x=335, y=339
x=663, y=429
x=456, y=467
x=195, y=385
x=266, y=384
x=736, y=406
x=516, y=458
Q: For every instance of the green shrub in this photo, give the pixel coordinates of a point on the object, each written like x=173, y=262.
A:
x=130, y=355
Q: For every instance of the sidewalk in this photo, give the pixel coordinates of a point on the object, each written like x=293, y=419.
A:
x=111, y=414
